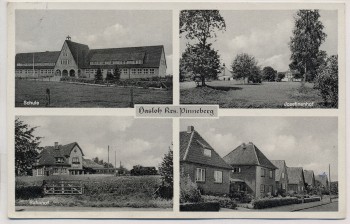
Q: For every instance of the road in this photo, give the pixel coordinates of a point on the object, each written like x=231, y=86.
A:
x=331, y=207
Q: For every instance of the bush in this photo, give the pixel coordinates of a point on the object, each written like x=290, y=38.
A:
x=307, y=200
x=204, y=206
x=241, y=196
x=225, y=202
x=189, y=191
x=274, y=202
x=29, y=192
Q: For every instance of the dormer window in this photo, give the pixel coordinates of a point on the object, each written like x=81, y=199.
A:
x=207, y=152
x=59, y=160
x=236, y=170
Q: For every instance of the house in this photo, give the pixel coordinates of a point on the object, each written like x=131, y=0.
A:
x=202, y=164
x=63, y=160
x=281, y=175
x=252, y=171
x=296, y=179
x=78, y=60
x=309, y=179
x=290, y=76
x=225, y=74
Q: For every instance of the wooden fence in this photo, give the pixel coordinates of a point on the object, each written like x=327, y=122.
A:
x=64, y=187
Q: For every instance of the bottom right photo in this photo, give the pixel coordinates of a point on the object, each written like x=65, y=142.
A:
x=257, y=164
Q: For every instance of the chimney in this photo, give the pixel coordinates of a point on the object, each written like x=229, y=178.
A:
x=190, y=129
x=56, y=145
x=244, y=146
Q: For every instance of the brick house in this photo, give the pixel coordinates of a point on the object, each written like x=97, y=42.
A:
x=296, y=179
x=252, y=171
x=281, y=175
x=63, y=160
x=310, y=178
x=202, y=164
x=78, y=60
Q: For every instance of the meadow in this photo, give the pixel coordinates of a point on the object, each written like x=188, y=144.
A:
x=99, y=191
x=73, y=95
x=229, y=94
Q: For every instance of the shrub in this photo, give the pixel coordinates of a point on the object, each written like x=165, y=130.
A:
x=274, y=202
x=241, y=196
x=29, y=192
x=208, y=206
x=189, y=191
x=225, y=202
x=307, y=200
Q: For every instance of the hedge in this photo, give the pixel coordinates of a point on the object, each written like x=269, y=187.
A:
x=203, y=206
x=29, y=192
x=225, y=202
x=307, y=200
x=274, y=202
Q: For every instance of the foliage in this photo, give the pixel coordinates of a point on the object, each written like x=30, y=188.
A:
x=26, y=145
x=245, y=66
x=313, y=199
x=166, y=170
x=307, y=38
x=327, y=81
x=110, y=77
x=139, y=170
x=274, y=202
x=280, y=76
x=334, y=188
x=29, y=192
x=225, y=202
x=116, y=73
x=241, y=196
x=98, y=76
x=269, y=74
x=189, y=191
x=201, y=24
x=202, y=61
x=201, y=206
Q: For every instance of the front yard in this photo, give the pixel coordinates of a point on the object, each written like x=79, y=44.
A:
x=229, y=94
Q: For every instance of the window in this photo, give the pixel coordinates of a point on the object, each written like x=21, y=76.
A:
x=75, y=160
x=282, y=175
x=145, y=71
x=133, y=71
x=139, y=71
x=283, y=186
x=236, y=170
x=271, y=174
x=151, y=71
x=59, y=160
x=207, y=152
x=262, y=172
x=262, y=188
x=271, y=189
x=125, y=71
x=218, y=176
x=200, y=175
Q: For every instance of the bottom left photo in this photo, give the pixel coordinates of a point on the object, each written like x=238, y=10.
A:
x=92, y=163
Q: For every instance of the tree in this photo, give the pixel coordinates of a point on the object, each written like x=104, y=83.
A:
x=244, y=67
x=117, y=73
x=307, y=38
x=109, y=77
x=201, y=61
x=26, y=145
x=269, y=74
x=98, y=76
x=201, y=24
x=166, y=171
x=280, y=76
x=327, y=81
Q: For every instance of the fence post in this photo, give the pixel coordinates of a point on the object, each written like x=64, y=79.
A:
x=131, y=98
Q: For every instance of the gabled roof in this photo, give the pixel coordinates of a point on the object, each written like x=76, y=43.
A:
x=295, y=175
x=39, y=57
x=309, y=176
x=49, y=154
x=79, y=52
x=192, y=147
x=248, y=154
x=281, y=165
x=323, y=179
x=88, y=163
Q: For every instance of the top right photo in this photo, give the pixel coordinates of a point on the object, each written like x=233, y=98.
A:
x=259, y=58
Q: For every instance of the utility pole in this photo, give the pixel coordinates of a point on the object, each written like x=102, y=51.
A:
x=108, y=161
x=329, y=183
x=115, y=159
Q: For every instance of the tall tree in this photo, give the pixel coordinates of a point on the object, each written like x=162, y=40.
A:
x=201, y=24
x=201, y=61
x=98, y=76
x=116, y=73
x=244, y=67
x=269, y=74
x=305, y=43
x=166, y=170
x=26, y=145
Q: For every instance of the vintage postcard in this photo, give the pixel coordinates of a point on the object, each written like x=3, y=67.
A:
x=176, y=110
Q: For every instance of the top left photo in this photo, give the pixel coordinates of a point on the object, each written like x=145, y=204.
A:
x=93, y=58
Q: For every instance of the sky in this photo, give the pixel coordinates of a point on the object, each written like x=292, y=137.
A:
x=265, y=34
x=46, y=30
x=136, y=141
x=308, y=142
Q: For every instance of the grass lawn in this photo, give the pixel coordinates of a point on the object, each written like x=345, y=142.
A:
x=99, y=191
x=72, y=95
x=266, y=95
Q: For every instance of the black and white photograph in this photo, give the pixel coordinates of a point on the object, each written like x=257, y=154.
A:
x=87, y=164
x=259, y=164
x=93, y=58
x=259, y=58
